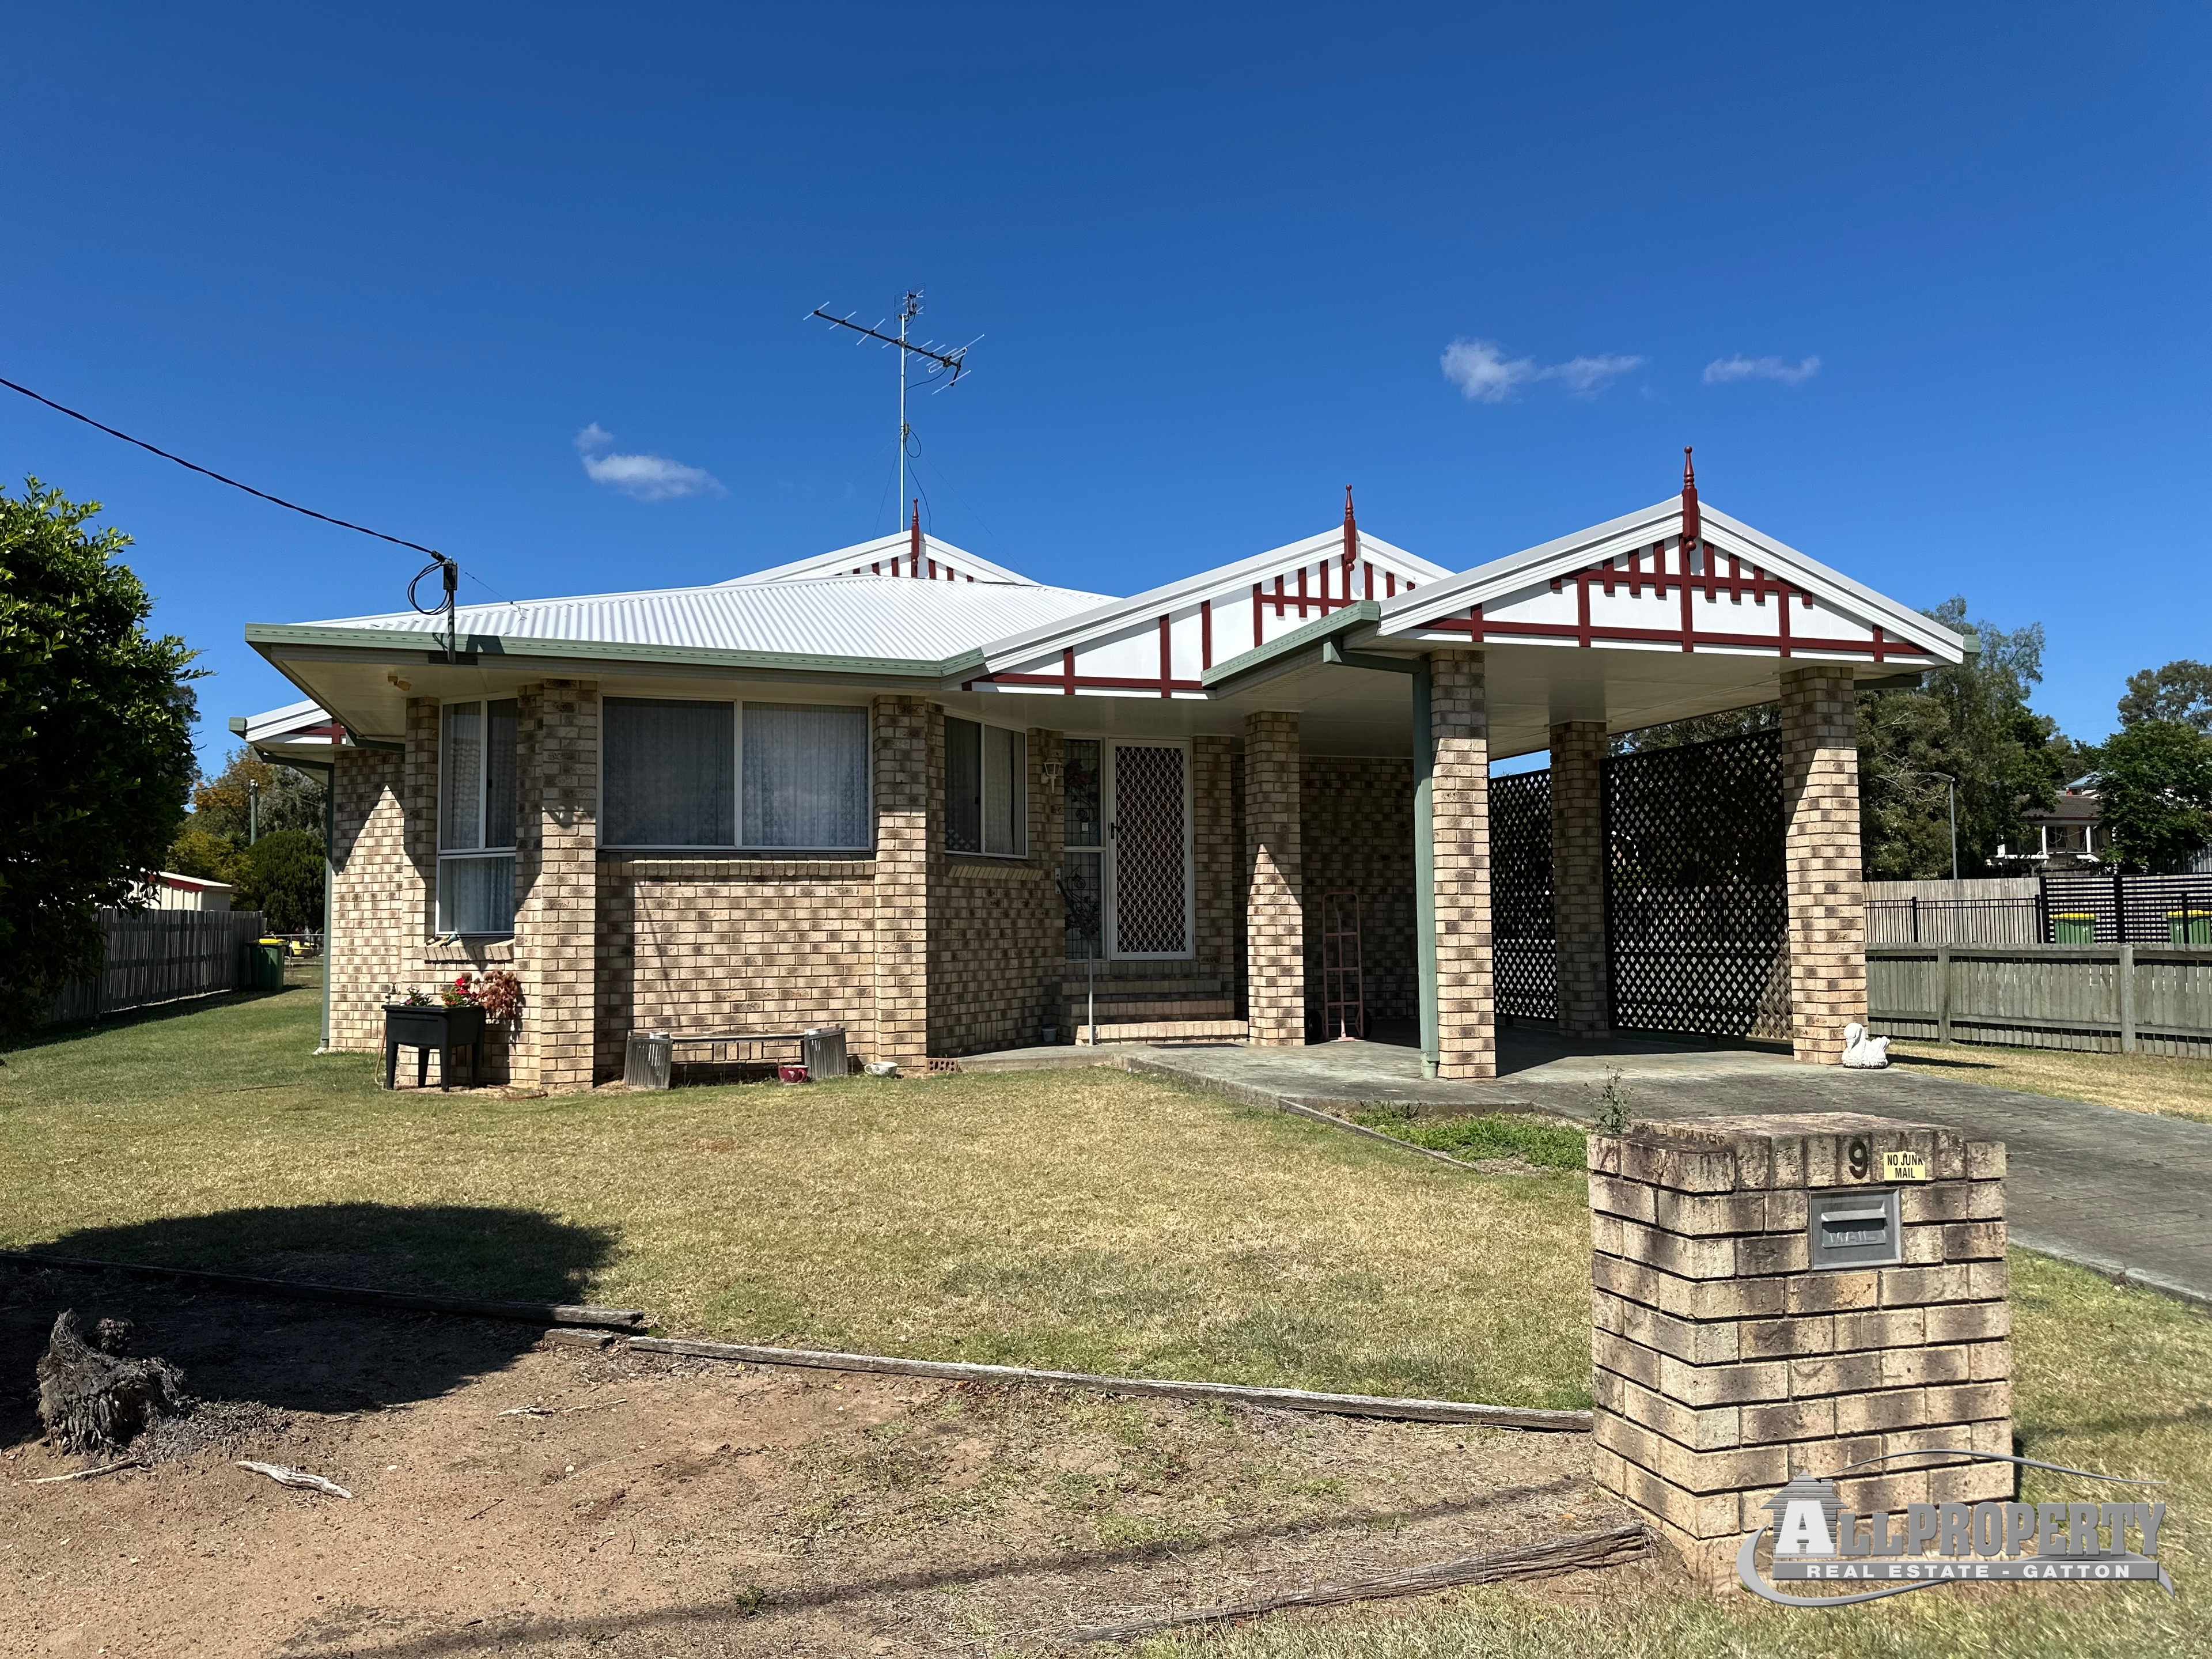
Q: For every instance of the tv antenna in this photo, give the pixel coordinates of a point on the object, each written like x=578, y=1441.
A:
x=946, y=365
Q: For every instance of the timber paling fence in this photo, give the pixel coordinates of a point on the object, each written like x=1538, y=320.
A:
x=162, y=956
x=2114, y=999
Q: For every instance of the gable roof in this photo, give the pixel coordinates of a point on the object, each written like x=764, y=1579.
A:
x=1661, y=526
x=888, y=555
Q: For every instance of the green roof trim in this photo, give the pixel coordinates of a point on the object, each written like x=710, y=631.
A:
x=410, y=642
x=1363, y=612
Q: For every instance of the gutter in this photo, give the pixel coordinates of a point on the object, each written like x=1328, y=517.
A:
x=473, y=648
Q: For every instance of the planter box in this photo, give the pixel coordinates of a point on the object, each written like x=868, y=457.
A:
x=445, y=1030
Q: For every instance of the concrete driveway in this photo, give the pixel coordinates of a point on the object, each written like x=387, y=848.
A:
x=2122, y=1192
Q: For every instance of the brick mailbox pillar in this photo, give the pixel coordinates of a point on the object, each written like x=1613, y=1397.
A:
x=1728, y=1357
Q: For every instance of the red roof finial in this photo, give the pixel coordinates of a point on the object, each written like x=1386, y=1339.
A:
x=913, y=541
x=1692, y=530
x=1351, y=532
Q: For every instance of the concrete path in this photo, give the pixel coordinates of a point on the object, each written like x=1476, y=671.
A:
x=2125, y=1193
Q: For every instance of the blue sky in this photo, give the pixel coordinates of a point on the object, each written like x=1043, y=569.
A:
x=390, y=265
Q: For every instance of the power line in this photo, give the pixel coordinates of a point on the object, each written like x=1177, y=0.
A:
x=205, y=472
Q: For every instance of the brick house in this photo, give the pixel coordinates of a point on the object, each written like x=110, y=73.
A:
x=902, y=789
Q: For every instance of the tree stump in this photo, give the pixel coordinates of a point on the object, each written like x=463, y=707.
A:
x=94, y=1399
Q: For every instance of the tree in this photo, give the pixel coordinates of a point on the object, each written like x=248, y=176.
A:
x=95, y=744
x=281, y=875
x=1700, y=728
x=2180, y=692
x=197, y=852
x=288, y=800
x=2154, y=780
x=1970, y=722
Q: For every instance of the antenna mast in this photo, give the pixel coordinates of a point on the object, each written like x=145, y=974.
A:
x=952, y=364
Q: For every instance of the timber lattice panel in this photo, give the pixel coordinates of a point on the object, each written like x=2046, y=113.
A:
x=1522, y=926
x=1697, y=905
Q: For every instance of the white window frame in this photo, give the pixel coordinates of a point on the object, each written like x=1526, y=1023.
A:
x=737, y=706
x=482, y=705
x=1021, y=792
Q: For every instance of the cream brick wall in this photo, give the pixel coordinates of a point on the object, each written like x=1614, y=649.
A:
x=1721, y=1366
x=1216, y=860
x=377, y=895
x=1827, y=895
x=1578, y=873
x=996, y=938
x=752, y=944
x=1356, y=826
x=1467, y=991
x=1274, y=877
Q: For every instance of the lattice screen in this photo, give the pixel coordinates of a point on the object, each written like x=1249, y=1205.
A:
x=1522, y=923
x=1149, y=881
x=1696, y=901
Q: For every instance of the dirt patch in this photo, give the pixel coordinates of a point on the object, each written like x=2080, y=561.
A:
x=694, y=1505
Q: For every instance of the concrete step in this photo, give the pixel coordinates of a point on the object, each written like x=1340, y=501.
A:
x=1166, y=1030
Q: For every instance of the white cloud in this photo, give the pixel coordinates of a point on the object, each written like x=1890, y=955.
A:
x=1721, y=370
x=644, y=477
x=1481, y=369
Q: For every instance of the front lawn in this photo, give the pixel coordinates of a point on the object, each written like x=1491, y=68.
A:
x=1089, y=1219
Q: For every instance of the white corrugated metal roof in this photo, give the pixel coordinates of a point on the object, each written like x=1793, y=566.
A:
x=884, y=552
x=837, y=617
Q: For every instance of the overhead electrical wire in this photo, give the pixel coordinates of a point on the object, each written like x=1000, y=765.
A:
x=209, y=473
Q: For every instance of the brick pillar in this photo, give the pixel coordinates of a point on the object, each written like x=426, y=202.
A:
x=1274, y=892
x=1578, y=871
x=904, y=825
x=556, y=897
x=1467, y=989
x=1724, y=1364
x=1827, y=894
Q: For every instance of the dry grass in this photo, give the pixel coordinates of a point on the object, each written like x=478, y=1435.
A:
x=2134, y=1083
x=1093, y=1219
x=2106, y=1379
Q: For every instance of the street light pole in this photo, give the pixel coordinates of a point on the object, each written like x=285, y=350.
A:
x=252, y=810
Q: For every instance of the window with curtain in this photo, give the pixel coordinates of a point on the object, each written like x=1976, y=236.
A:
x=476, y=817
x=804, y=780
x=760, y=774
x=986, y=788
x=669, y=773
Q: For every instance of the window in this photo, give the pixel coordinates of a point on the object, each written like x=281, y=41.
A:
x=986, y=789
x=1083, y=885
x=476, y=818
x=670, y=774
x=805, y=777
x=762, y=775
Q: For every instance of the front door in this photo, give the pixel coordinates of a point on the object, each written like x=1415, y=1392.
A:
x=1148, y=850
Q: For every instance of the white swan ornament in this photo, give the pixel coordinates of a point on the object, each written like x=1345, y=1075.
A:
x=1864, y=1053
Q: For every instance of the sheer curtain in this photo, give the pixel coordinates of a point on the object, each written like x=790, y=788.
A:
x=805, y=779
x=1006, y=777
x=476, y=818
x=669, y=773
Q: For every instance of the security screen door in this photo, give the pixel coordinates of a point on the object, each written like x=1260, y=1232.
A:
x=1148, y=849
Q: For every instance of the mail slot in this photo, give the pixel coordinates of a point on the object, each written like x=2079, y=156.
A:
x=1856, y=1227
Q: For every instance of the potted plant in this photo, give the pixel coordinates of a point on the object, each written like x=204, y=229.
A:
x=453, y=1019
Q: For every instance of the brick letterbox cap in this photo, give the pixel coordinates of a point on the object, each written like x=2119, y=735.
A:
x=1771, y=1151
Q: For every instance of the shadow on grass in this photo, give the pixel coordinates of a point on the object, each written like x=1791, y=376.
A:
x=304, y=1356
x=47, y=1036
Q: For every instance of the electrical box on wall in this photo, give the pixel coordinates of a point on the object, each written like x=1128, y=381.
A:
x=1853, y=1227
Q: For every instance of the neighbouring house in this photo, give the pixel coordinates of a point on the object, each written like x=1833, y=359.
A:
x=165, y=890
x=2069, y=835
x=902, y=789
